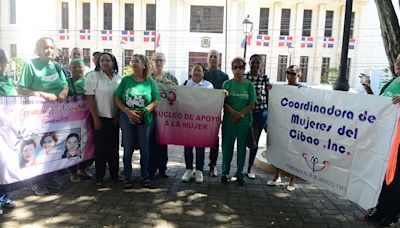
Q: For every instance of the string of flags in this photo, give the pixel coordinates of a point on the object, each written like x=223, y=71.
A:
x=155, y=37
x=108, y=35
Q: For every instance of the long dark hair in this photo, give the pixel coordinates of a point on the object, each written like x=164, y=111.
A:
x=65, y=154
x=113, y=60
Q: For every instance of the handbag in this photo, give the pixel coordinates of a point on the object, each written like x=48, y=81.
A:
x=251, y=139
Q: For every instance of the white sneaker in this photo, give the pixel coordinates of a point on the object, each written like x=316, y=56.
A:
x=274, y=183
x=215, y=172
x=199, y=176
x=290, y=188
x=187, y=176
x=251, y=175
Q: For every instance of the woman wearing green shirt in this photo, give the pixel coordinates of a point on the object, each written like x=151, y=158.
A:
x=136, y=97
x=237, y=119
x=42, y=77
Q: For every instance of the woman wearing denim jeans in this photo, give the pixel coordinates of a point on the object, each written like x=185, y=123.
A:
x=260, y=112
x=136, y=97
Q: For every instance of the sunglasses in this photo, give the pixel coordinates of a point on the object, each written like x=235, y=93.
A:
x=291, y=73
x=238, y=67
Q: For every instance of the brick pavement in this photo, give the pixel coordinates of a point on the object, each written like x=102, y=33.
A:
x=175, y=204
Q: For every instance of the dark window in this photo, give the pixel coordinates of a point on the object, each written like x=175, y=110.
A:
x=128, y=16
x=86, y=15
x=151, y=17
x=128, y=57
x=264, y=19
x=86, y=56
x=107, y=16
x=348, y=68
x=64, y=15
x=307, y=20
x=303, y=68
x=206, y=19
x=282, y=64
x=13, y=12
x=199, y=57
x=285, y=22
x=13, y=50
x=66, y=55
x=324, y=69
x=149, y=53
x=328, y=23
x=108, y=50
x=352, y=24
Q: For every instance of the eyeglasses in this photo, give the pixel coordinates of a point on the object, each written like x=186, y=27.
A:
x=238, y=67
x=159, y=60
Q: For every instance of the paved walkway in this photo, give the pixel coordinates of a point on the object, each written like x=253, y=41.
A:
x=175, y=204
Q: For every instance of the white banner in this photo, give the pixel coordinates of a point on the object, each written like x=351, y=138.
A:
x=337, y=140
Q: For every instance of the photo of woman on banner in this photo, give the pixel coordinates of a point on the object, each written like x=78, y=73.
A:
x=72, y=146
x=27, y=153
x=237, y=119
x=293, y=73
x=48, y=142
x=387, y=211
x=196, y=81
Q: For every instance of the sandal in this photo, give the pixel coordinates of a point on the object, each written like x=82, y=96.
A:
x=127, y=184
x=99, y=182
x=146, y=183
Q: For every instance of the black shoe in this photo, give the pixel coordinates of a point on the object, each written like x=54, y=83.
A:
x=240, y=182
x=389, y=222
x=373, y=215
x=116, y=179
x=99, y=182
x=224, y=180
x=163, y=175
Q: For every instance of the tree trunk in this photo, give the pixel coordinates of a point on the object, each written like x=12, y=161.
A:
x=390, y=30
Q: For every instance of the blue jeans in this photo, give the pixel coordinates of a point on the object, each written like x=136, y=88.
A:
x=131, y=133
x=259, y=122
x=199, y=157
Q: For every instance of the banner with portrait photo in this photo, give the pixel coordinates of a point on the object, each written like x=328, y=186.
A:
x=39, y=137
x=337, y=140
x=188, y=116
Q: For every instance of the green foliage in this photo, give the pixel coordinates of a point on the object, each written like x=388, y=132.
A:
x=330, y=76
x=127, y=71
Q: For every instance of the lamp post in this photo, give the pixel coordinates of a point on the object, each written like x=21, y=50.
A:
x=247, y=24
x=122, y=56
x=342, y=83
x=290, y=50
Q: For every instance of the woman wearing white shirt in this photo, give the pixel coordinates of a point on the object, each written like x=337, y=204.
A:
x=197, y=81
x=100, y=87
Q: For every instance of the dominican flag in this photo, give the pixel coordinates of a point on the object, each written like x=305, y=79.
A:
x=306, y=42
x=263, y=40
x=285, y=41
x=352, y=43
x=128, y=35
x=249, y=38
x=328, y=42
x=63, y=34
x=158, y=39
x=84, y=34
x=106, y=34
x=149, y=36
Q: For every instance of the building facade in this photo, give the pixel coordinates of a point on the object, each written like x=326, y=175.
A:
x=307, y=33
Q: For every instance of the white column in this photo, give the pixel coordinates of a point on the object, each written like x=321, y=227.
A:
x=318, y=35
